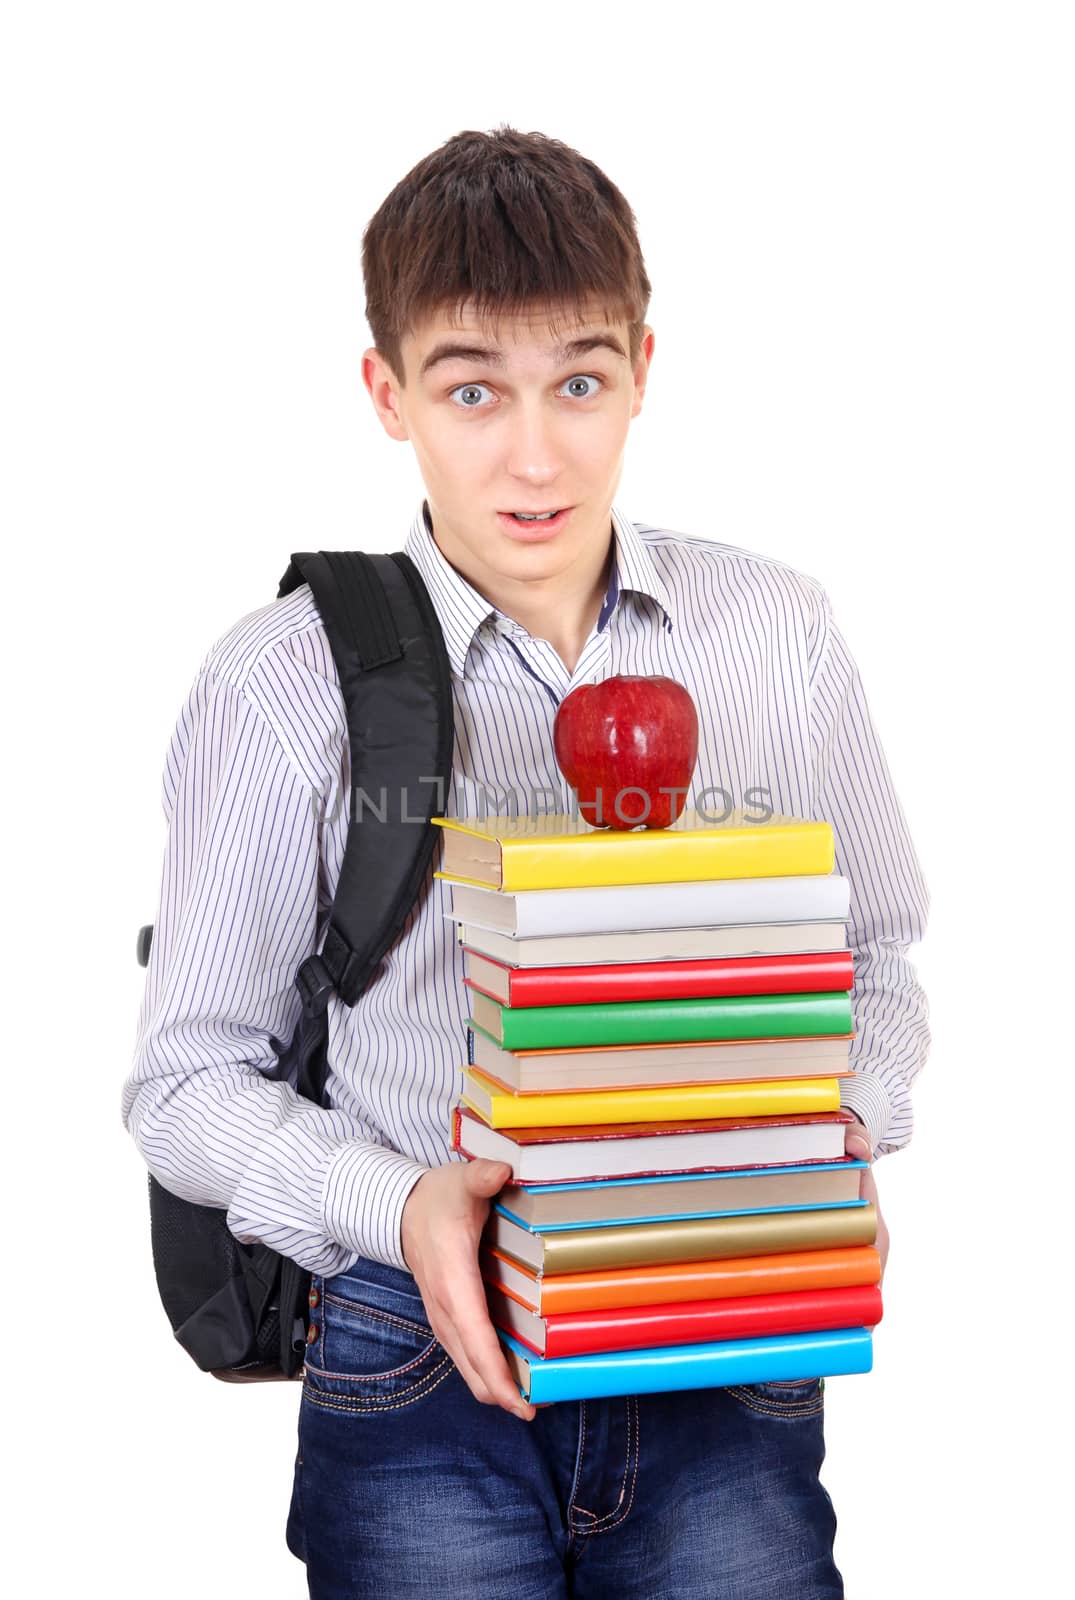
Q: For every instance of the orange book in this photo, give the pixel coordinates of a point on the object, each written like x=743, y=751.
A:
x=689, y=1280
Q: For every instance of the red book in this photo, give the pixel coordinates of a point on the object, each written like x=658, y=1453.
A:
x=576, y=1333
x=598, y=983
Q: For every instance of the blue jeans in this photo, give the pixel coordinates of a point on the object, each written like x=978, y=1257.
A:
x=406, y=1486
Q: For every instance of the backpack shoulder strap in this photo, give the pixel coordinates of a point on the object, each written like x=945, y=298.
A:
x=396, y=681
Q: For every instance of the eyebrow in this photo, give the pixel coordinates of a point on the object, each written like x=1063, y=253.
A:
x=490, y=356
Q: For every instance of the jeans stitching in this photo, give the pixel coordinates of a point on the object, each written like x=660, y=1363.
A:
x=790, y=1408
x=386, y=1318
x=572, y=1508
x=620, y=1511
x=357, y=1306
x=623, y=1481
x=372, y=1377
x=370, y=1404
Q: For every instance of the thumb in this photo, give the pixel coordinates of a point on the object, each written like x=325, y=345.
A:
x=857, y=1141
x=486, y=1177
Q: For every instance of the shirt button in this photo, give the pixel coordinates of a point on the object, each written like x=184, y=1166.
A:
x=314, y=1297
x=311, y=1336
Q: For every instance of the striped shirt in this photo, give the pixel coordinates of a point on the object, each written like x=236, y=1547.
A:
x=256, y=791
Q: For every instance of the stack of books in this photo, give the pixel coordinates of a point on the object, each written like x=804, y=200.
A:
x=658, y=1024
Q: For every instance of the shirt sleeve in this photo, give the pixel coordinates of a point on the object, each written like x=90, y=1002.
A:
x=237, y=913
x=889, y=896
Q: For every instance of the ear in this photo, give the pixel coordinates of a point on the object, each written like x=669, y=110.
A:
x=641, y=368
x=383, y=386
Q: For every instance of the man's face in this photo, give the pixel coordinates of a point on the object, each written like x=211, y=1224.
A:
x=515, y=422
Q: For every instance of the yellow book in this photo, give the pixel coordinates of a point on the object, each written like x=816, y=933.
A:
x=685, y=1103
x=564, y=851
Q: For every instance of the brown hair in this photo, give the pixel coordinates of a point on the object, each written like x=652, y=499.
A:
x=509, y=221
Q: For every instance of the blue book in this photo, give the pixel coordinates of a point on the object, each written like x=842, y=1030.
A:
x=826, y=1353
x=668, y=1216
x=694, y=1192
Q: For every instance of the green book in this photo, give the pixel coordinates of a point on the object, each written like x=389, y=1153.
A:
x=762, y=1016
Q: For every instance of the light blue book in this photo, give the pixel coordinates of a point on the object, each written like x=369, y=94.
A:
x=669, y=1216
x=714, y=1192
x=826, y=1353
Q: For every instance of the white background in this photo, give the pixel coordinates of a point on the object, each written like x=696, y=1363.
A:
x=857, y=221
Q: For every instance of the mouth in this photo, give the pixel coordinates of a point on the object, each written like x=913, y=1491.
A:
x=534, y=528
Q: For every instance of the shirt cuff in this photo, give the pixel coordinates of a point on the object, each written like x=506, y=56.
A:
x=867, y=1097
x=365, y=1189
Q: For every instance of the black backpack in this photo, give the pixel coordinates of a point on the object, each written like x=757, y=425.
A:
x=241, y=1310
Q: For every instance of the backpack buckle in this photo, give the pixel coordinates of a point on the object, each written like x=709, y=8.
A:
x=314, y=983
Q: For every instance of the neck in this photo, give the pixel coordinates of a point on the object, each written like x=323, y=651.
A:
x=562, y=609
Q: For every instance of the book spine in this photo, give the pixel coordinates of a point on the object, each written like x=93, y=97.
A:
x=621, y=908
x=733, y=1278
x=578, y=1108
x=751, y=941
x=630, y=1185
x=671, y=1021
x=669, y=1215
x=609, y=858
x=772, y=1359
x=679, y=980
x=635, y=1327
x=751, y=1233
x=639, y=1149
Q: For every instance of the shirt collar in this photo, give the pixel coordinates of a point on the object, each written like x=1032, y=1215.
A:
x=461, y=610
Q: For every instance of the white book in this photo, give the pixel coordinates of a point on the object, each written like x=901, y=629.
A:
x=531, y=913
x=654, y=944
x=626, y=1154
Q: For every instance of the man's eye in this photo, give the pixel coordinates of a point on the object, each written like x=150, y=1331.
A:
x=585, y=377
x=470, y=393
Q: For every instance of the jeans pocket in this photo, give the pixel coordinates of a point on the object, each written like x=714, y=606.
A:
x=374, y=1348
x=794, y=1397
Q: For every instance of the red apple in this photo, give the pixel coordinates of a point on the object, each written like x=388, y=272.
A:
x=630, y=732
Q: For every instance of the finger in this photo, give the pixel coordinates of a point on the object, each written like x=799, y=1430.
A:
x=485, y=1353
x=483, y=1178
x=470, y=1313
x=464, y=1313
x=486, y=1385
x=472, y=1378
x=454, y=1341
x=446, y=1329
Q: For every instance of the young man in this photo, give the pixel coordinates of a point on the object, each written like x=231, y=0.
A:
x=506, y=294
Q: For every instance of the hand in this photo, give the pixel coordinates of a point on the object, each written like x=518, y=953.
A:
x=443, y=1217
x=857, y=1143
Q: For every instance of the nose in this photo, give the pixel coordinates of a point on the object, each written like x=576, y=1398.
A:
x=533, y=450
